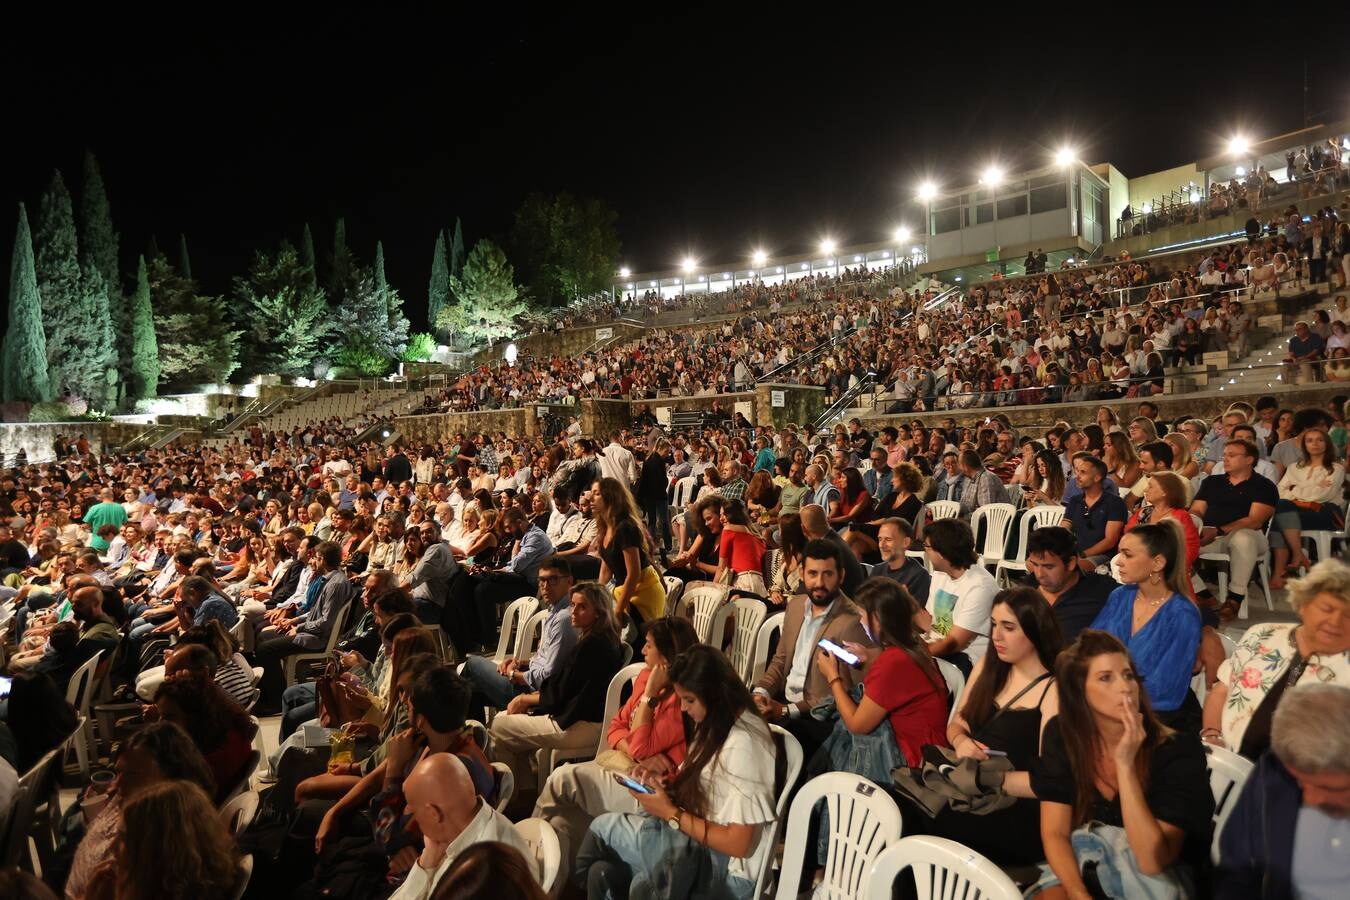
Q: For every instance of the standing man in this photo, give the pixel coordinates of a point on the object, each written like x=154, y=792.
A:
x=617, y=461
x=106, y=512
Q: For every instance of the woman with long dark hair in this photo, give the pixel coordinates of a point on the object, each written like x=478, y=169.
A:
x=1009, y=699
x=626, y=553
x=647, y=733
x=741, y=550
x=855, y=504
x=716, y=806
x=1310, y=498
x=1112, y=776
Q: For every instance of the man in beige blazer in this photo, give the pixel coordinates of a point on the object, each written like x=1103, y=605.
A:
x=792, y=683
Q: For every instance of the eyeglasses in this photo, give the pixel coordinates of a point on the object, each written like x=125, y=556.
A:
x=552, y=579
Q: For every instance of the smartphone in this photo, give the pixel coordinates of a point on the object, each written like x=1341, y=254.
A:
x=631, y=784
x=995, y=753
x=5, y=684
x=846, y=657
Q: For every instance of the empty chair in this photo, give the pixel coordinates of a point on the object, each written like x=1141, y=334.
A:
x=997, y=521
x=939, y=509
x=700, y=604
x=748, y=615
x=956, y=682
x=1228, y=772
x=771, y=626
x=942, y=869
x=531, y=635
x=238, y=812
x=515, y=617
x=542, y=840
x=79, y=693
x=674, y=588
x=1039, y=517
x=863, y=821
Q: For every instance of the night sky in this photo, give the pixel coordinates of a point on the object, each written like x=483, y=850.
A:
x=710, y=132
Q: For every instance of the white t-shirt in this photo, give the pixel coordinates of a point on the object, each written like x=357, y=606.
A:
x=738, y=784
x=965, y=602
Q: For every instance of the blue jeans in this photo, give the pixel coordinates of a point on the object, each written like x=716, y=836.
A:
x=494, y=689
x=299, y=704
x=634, y=854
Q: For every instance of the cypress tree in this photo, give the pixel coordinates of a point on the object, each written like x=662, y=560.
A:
x=65, y=313
x=98, y=252
x=381, y=284
x=457, y=256
x=438, y=289
x=184, y=262
x=307, y=256
x=144, y=380
x=23, y=370
x=342, y=263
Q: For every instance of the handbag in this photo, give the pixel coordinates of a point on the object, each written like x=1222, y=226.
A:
x=612, y=760
x=339, y=701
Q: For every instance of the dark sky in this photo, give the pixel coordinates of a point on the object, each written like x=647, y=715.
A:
x=710, y=131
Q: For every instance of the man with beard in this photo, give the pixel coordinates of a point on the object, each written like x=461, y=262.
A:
x=792, y=684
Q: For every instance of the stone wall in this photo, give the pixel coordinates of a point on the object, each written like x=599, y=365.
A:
x=36, y=439
x=600, y=417
x=565, y=343
x=802, y=404
x=416, y=430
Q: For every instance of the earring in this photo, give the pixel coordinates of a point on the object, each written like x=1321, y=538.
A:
x=1153, y=579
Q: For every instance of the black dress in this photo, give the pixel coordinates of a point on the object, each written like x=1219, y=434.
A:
x=1012, y=836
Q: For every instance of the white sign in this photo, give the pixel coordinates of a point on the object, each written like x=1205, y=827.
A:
x=604, y=334
x=541, y=411
x=778, y=399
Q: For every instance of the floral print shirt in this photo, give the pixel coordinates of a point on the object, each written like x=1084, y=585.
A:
x=1261, y=659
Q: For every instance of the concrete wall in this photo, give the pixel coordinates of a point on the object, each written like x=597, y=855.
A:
x=600, y=417
x=569, y=342
x=802, y=404
x=444, y=426
x=1148, y=188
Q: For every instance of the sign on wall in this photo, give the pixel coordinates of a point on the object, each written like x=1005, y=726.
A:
x=604, y=334
x=778, y=399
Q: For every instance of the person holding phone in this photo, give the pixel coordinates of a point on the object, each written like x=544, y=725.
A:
x=716, y=807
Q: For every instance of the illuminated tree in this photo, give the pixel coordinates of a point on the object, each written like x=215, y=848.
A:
x=23, y=370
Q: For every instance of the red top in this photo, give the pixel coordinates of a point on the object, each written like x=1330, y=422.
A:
x=1187, y=524
x=918, y=710
x=663, y=733
x=744, y=550
x=227, y=762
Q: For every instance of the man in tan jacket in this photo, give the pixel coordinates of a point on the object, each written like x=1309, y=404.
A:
x=792, y=683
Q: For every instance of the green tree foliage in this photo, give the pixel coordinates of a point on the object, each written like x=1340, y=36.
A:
x=354, y=360
x=98, y=253
x=143, y=382
x=488, y=299
x=284, y=317
x=196, y=344
x=566, y=245
x=23, y=370
x=421, y=346
x=75, y=310
x=307, y=256
x=438, y=289
x=369, y=318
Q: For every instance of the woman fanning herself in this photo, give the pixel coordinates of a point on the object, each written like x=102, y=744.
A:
x=1152, y=615
x=647, y=731
x=1112, y=778
x=706, y=827
x=1008, y=701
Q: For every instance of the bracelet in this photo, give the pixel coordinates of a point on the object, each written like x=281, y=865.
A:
x=1210, y=730
x=839, y=678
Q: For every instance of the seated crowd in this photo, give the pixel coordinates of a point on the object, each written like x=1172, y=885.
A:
x=404, y=760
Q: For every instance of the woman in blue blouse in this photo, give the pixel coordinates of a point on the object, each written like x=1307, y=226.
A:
x=1153, y=616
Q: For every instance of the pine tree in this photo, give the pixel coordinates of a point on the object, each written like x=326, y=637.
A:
x=342, y=265
x=488, y=300
x=438, y=289
x=285, y=315
x=184, y=261
x=98, y=252
x=307, y=256
x=66, y=315
x=144, y=369
x=370, y=320
x=196, y=344
x=23, y=369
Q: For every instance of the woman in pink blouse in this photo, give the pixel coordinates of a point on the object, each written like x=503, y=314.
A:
x=646, y=733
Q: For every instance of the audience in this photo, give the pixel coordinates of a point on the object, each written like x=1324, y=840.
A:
x=960, y=596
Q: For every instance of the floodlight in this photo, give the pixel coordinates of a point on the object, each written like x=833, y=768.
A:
x=992, y=177
x=1195, y=196
x=1148, y=208
x=927, y=190
x=689, y=264
x=760, y=257
x=625, y=272
x=827, y=246
x=902, y=234
x=511, y=353
x=1065, y=156
x=1241, y=172
x=1239, y=146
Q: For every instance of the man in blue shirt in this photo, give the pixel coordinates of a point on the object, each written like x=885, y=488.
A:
x=1096, y=517
x=877, y=479
x=471, y=612
x=495, y=683
x=823, y=494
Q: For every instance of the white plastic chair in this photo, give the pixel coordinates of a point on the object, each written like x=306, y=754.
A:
x=997, y=519
x=792, y=768
x=772, y=625
x=942, y=869
x=245, y=873
x=1262, y=571
x=1228, y=772
x=517, y=613
x=940, y=509
x=238, y=812
x=864, y=820
x=531, y=635
x=79, y=693
x=956, y=683
x=506, y=785
x=542, y=840
x=1042, y=517
x=674, y=588
x=549, y=759
x=1198, y=686
x=1321, y=540
x=292, y=663
x=700, y=604
x=749, y=614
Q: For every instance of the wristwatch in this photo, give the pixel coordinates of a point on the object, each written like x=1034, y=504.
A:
x=653, y=702
x=674, y=820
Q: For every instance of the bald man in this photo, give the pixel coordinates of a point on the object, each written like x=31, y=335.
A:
x=817, y=527
x=452, y=817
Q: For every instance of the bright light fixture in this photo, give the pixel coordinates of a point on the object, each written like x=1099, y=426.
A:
x=805, y=267
x=885, y=254
x=1148, y=208
x=779, y=269
x=916, y=250
x=857, y=259
x=689, y=264
x=992, y=177
x=625, y=272
x=827, y=246
x=1239, y=146
x=760, y=257
x=1065, y=156
x=927, y=190
x=512, y=351
x=902, y=234
x=1241, y=172
x=1195, y=196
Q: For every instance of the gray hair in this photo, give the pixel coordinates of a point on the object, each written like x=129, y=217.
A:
x=1308, y=732
x=1330, y=576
